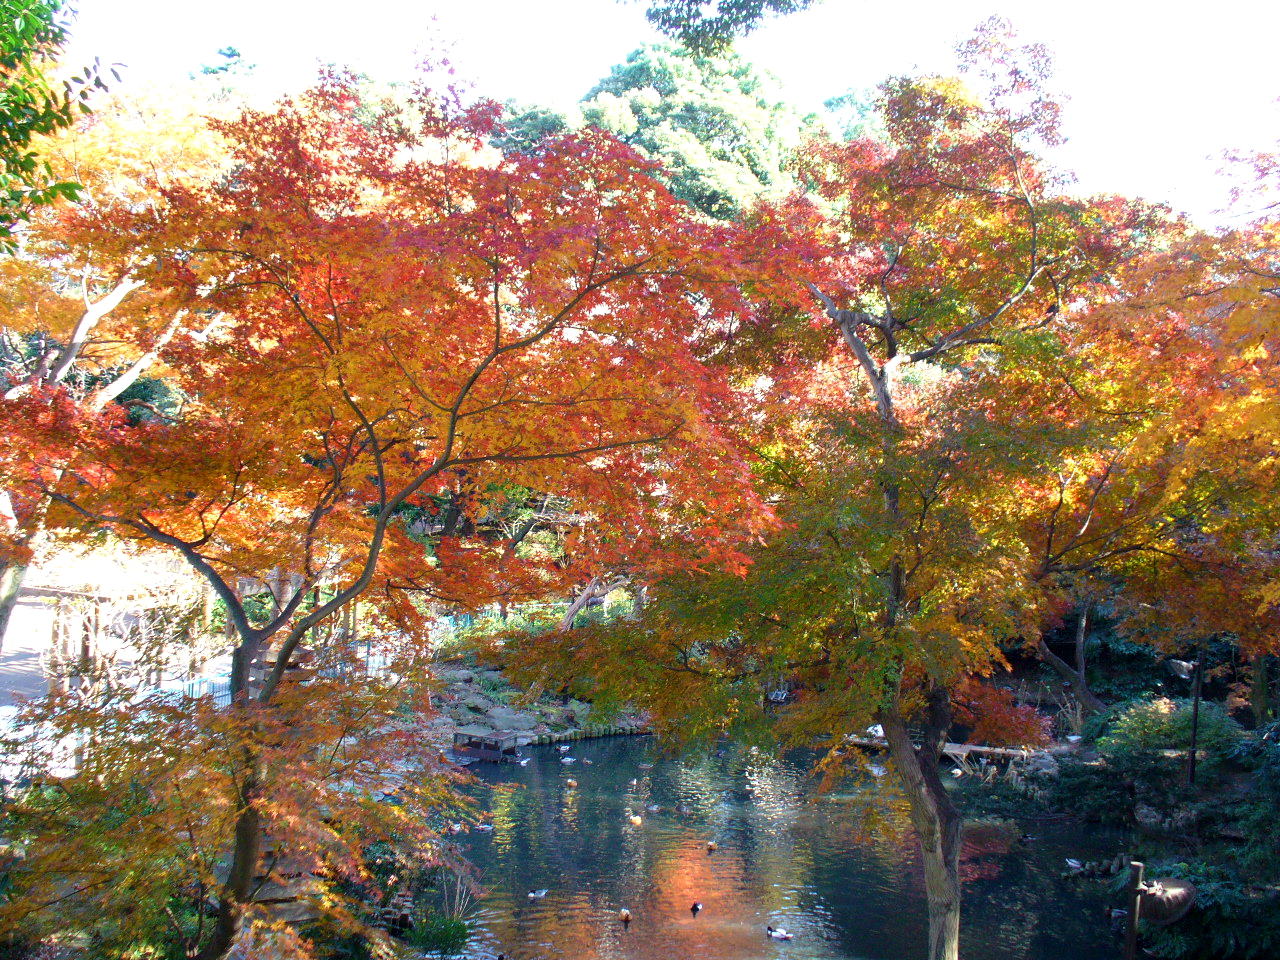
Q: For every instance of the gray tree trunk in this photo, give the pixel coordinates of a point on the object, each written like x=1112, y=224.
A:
x=11, y=577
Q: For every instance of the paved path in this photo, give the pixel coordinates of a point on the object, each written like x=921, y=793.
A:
x=29, y=636
x=27, y=639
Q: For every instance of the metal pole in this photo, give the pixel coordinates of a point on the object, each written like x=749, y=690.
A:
x=1195, y=720
x=1134, y=896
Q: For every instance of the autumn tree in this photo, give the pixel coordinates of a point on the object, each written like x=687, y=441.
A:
x=395, y=314
x=79, y=325
x=936, y=279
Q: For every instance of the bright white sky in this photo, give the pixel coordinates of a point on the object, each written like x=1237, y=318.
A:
x=1157, y=91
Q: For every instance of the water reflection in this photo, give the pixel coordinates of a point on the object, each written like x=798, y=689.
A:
x=784, y=857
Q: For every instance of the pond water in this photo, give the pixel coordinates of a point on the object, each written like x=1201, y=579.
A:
x=785, y=856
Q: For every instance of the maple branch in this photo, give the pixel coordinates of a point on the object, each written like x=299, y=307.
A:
x=99, y=399
x=847, y=321
x=94, y=312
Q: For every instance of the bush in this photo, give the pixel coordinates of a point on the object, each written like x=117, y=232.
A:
x=1230, y=920
x=1166, y=725
x=439, y=933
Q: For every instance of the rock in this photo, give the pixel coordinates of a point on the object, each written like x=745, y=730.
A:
x=1044, y=764
x=1148, y=817
x=479, y=702
x=455, y=675
x=579, y=710
x=504, y=718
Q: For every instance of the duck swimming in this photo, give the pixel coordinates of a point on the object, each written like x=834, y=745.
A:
x=537, y=894
x=696, y=908
x=778, y=933
x=625, y=916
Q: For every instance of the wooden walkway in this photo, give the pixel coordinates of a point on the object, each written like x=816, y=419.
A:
x=956, y=751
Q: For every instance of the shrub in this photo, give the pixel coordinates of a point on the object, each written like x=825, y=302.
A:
x=1165, y=724
x=439, y=933
x=1230, y=920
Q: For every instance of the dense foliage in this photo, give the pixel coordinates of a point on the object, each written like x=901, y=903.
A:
x=32, y=35
x=721, y=130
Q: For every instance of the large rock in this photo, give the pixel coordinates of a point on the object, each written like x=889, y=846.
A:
x=1042, y=763
x=504, y=718
x=579, y=710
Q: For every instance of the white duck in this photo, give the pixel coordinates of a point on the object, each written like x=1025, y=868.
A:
x=778, y=933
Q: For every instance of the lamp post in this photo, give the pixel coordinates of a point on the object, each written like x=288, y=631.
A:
x=1195, y=673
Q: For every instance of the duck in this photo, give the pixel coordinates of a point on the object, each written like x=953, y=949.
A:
x=563, y=747
x=646, y=766
x=571, y=783
x=778, y=933
x=524, y=761
x=712, y=846
x=957, y=772
x=632, y=782
x=568, y=760
x=1074, y=864
x=537, y=894
x=455, y=828
x=654, y=808
x=485, y=827
x=625, y=916
x=635, y=819
x=588, y=762
x=696, y=908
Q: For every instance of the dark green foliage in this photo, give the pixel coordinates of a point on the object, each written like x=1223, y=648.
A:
x=710, y=26
x=439, y=933
x=1230, y=920
x=719, y=127
x=1104, y=792
x=32, y=35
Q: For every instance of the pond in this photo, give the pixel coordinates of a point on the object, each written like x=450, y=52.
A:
x=785, y=856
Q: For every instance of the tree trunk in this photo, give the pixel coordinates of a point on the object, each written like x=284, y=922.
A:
x=1089, y=702
x=229, y=920
x=935, y=818
x=11, y=576
x=1260, y=690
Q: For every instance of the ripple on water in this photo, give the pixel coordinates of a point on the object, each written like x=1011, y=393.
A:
x=781, y=859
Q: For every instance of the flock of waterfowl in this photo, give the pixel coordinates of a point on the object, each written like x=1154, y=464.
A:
x=624, y=914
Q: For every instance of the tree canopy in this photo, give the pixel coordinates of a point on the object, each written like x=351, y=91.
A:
x=710, y=26
x=721, y=129
x=32, y=36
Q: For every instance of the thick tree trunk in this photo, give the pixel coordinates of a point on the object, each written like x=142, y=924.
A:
x=229, y=920
x=1089, y=702
x=1260, y=690
x=11, y=576
x=935, y=818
